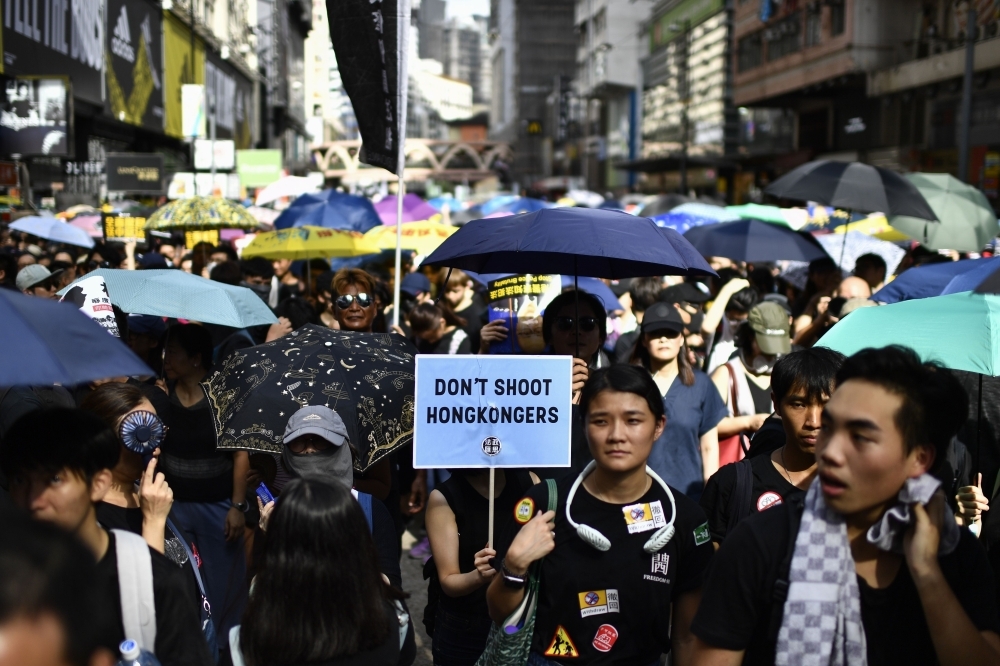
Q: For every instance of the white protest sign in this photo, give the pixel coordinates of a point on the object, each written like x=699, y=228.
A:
x=492, y=411
x=91, y=296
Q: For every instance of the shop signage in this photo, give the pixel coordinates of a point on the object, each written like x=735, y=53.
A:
x=35, y=118
x=225, y=154
x=231, y=95
x=258, y=168
x=124, y=227
x=135, y=172
x=135, y=63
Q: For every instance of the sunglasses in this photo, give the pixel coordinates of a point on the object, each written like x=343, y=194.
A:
x=668, y=333
x=344, y=302
x=587, y=324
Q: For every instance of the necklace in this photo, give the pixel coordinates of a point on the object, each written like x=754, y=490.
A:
x=783, y=468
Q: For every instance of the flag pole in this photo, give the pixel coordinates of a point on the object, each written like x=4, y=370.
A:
x=402, y=85
x=399, y=239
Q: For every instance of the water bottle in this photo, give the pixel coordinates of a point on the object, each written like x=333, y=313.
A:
x=132, y=655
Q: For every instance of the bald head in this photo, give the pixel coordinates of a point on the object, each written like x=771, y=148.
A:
x=854, y=287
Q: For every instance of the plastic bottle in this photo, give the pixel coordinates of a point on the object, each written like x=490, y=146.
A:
x=132, y=655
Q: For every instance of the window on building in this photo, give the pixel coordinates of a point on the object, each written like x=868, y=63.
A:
x=814, y=14
x=784, y=36
x=837, y=17
x=750, y=52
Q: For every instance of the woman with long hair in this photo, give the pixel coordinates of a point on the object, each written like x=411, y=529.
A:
x=687, y=453
x=320, y=598
x=621, y=559
x=438, y=330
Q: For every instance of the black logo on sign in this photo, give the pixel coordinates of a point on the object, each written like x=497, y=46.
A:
x=491, y=446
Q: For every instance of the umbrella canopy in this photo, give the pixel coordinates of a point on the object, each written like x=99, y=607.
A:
x=415, y=209
x=172, y=293
x=570, y=241
x=753, y=240
x=523, y=205
x=265, y=216
x=91, y=224
x=289, y=186
x=876, y=226
x=493, y=204
x=662, y=204
x=308, y=243
x=853, y=186
x=594, y=287
x=924, y=325
x=612, y=204
x=201, y=214
x=53, y=229
x=927, y=281
x=367, y=378
x=967, y=221
x=846, y=248
x=421, y=237
x=44, y=342
x=440, y=202
x=585, y=198
x=332, y=210
x=983, y=279
x=694, y=214
x=793, y=218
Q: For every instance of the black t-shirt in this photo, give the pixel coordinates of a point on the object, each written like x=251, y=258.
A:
x=195, y=469
x=179, y=640
x=612, y=607
x=736, y=601
x=770, y=488
x=474, y=316
x=455, y=342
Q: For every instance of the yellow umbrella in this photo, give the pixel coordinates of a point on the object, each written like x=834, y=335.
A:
x=876, y=226
x=201, y=214
x=421, y=237
x=309, y=243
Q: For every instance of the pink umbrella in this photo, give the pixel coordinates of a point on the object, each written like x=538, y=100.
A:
x=89, y=223
x=415, y=209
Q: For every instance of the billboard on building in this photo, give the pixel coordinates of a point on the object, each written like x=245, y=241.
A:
x=231, y=94
x=258, y=168
x=184, y=62
x=35, y=117
x=135, y=172
x=135, y=63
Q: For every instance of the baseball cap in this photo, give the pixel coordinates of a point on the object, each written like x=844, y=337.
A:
x=150, y=325
x=316, y=420
x=769, y=322
x=662, y=316
x=685, y=292
x=620, y=287
x=415, y=283
x=33, y=275
x=153, y=260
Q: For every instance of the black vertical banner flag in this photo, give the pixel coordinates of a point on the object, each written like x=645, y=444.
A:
x=370, y=38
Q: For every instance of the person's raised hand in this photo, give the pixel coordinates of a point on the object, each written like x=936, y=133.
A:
x=277, y=330
x=581, y=373
x=533, y=542
x=482, y=562
x=735, y=285
x=495, y=331
x=971, y=501
x=920, y=544
x=822, y=304
x=235, y=523
x=265, y=513
x=155, y=496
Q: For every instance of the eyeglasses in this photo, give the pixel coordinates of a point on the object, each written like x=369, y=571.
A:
x=344, y=302
x=587, y=324
x=668, y=333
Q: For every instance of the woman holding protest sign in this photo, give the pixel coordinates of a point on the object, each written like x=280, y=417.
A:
x=620, y=562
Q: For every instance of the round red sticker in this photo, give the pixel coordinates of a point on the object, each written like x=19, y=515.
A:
x=767, y=500
x=605, y=638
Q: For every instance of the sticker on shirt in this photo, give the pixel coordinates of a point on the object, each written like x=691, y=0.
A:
x=767, y=500
x=702, y=534
x=605, y=638
x=562, y=645
x=524, y=510
x=598, y=602
x=644, y=517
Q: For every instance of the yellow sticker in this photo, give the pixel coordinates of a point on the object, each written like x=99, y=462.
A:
x=644, y=517
x=524, y=510
x=562, y=645
x=597, y=602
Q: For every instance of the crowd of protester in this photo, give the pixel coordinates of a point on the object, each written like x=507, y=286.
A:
x=737, y=493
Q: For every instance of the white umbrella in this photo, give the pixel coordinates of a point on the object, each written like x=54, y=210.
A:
x=264, y=215
x=53, y=229
x=289, y=186
x=585, y=198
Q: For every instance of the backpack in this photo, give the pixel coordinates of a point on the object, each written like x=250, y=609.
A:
x=741, y=499
x=780, y=591
x=135, y=585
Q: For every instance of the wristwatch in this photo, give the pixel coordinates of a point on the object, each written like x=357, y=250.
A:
x=243, y=506
x=511, y=580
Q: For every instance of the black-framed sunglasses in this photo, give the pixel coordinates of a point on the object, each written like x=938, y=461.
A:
x=668, y=333
x=587, y=324
x=344, y=302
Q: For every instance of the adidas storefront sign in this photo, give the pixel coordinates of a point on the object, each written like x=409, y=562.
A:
x=121, y=38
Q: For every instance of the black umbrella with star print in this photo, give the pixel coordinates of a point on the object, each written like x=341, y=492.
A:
x=367, y=378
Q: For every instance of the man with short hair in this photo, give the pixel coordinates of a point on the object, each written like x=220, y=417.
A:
x=829, y=309
x=872, y=269
x=801, y=383
x=58, y=463
x=871, y=568
x=37, y=280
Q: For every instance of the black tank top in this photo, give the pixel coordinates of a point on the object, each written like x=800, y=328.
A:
x=472, y=517
x=761, y=397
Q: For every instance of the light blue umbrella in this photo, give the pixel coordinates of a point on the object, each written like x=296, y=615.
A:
x=173, y=293
x=454, y=204
x=694, y=214
x=53, y=229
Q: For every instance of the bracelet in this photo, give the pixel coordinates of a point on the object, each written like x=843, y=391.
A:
x=510, y=579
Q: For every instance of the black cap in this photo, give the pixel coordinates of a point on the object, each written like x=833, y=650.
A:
x=662, y=316
x=689, y=292
x=620, y=287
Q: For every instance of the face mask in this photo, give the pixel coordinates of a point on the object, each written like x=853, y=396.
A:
x=735, y=324
x=262, y=290
x=761, y=365
x=142, y=432
x=333, y=464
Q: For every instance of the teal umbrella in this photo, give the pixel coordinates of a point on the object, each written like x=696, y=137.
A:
x=960, y=331
x=173, y=293
x=967, y=221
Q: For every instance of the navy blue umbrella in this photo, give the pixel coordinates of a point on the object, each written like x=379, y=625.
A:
x=590, y=285
x=45, y=342
x=753, y=240
x=933, y=279
x=330, y=209
x=570, y=241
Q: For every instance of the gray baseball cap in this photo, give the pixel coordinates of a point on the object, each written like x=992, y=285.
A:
x=316, y=420
x=33, y=274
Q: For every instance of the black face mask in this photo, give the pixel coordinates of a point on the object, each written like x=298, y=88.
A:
x=262, y=290
x=333, y=464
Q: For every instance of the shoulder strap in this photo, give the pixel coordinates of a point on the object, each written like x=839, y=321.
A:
x=365, y=500
x=135, y=586
x=553, y=494
x=732, y=388
x=780, y=591
x=190, y=556
x=741, y=499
